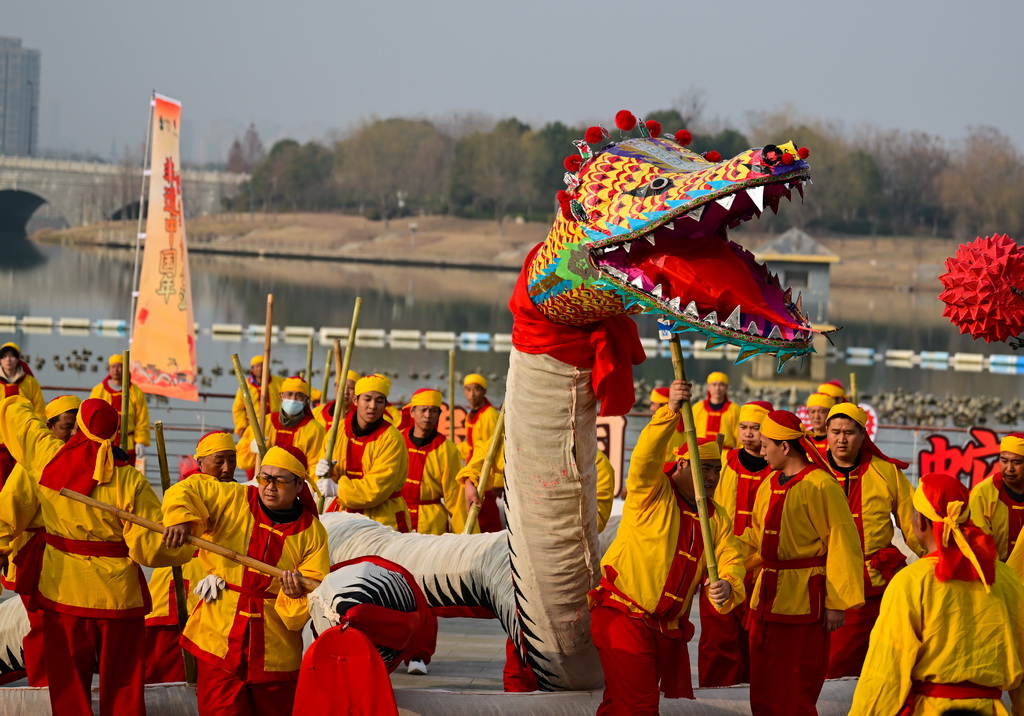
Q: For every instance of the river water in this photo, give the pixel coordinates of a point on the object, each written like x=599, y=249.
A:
x=96, y=284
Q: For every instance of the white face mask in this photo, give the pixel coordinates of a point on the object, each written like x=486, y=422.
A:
x=292, y=407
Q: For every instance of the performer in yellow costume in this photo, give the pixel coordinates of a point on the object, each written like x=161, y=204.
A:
x=238, y=412
x=324, y=413
x=482, y=417
x=367, y=471
x=950, y=636
x=640, y=610
x=433, y=463
x=246, y=633
x=716, y=413
x=292, y=425
x=110, y=389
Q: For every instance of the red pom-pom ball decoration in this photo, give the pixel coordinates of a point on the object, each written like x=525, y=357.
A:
x=653, y=128
x=573, y=162
x=684, y=137
x=625, y=120
x=713, y=156
x=593, y=135
x=803, y=152
x=788, y=158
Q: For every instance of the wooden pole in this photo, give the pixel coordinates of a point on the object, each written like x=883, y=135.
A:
x=451, y=395
x=339, y=392
x=265, y=377
x=309, y=367
x=268, y=569
x=250, y=409
x=853, y=388
x=179, y=579
x=327, y=374
x=695, y=469
x=126, y=397
x=497, y=442
x=339, y=395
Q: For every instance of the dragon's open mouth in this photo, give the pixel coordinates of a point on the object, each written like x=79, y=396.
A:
x=688, y=270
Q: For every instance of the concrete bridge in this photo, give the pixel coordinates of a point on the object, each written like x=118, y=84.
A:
x=88, y=192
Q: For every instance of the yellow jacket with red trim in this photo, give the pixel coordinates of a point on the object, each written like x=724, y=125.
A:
x=816, y=522
x=29, y=389
x=238, y=412
x=730, y=426
x=229, y=514
x=440, y=467
x=370, y=487
x=308, y=438
x=639, y=560
x=20, y=518
x=605, y=490
x=996, y=515
x=480, y=430
x=93, y=586
x=944, y=633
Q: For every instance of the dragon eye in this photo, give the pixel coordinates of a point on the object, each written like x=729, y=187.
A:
x=660, y=183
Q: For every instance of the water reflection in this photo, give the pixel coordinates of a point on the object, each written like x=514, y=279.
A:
x=17, y=252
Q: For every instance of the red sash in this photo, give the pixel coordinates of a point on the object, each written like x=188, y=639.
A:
x=29, y=563
x=685, y=563
x=960, y=690
x=87, y=547
x=285, y=437
x=412, y=490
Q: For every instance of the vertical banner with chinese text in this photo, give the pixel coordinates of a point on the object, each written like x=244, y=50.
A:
x=163, y=350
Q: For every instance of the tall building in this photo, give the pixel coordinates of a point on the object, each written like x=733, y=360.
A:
x=19, y=98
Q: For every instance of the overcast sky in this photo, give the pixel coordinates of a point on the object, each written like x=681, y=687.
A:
x=304, y=67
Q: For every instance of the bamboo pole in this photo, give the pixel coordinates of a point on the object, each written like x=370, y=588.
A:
x=268, y=569
x=309, y=366
x=339, y=394
x=179, y=579
x=497, y=442
x=265, y=377
x=250, y=409
x=695, y=468
x=451, y=395
x=327, y=374
x=853, y=388
x=126, y=397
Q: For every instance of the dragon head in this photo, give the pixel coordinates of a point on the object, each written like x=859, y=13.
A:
x=643, y=230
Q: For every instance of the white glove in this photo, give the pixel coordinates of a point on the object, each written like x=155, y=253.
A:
x=209, y=588
x=139, y=450
x=327, y=486
x=323, y=468
x=254, y=448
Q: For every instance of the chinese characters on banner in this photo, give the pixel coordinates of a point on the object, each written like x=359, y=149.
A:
x=970, y=464
x=163, y=349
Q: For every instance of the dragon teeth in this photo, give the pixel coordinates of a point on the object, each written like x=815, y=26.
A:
x=656, y=291
x=691, y=311
x=711, y=317
x=696, y=213
x=628, y=246
x=650, y=239
x=756, y=194
x=609, y=249
x=674, y=304
x=638, y=282
x=621, y=275
x=753, y=330
x=726, y=201
x=670, y=225
x=733, y=321
x=776, y=333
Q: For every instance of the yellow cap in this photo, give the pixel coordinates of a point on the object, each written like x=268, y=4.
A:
x=279, y=457
x=295, y=384
x=707, y=449
x=659, y=396
x=62, y=404
x=754, y=412
x=1014, y=442
x=820, y=400
x=836, y=391
x=11, y=344
x=718, y=377
x=214, y=442
x=850, y=411
x=475, y=378
x=116, y=359
x=375, y=382
x=426, y=396
x=255, y=360
x=353, y=376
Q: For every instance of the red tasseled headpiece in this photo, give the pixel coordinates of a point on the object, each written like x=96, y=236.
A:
x=573, y=162
x=713, y=156
x=803, y=152
x=653, y=128
x=684, y=137
x=625, y=120
x=593, y=135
